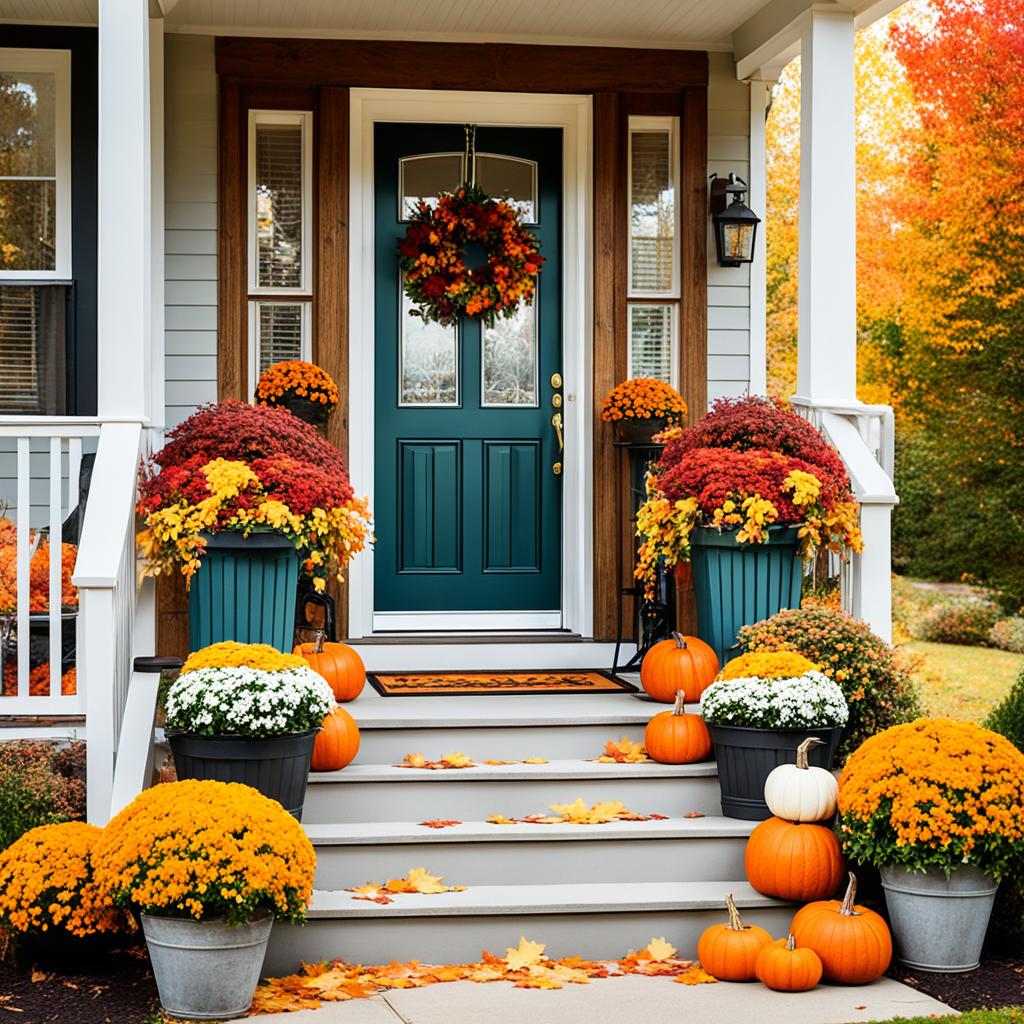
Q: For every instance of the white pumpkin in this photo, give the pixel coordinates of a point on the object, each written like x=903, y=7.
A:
x=798, y=792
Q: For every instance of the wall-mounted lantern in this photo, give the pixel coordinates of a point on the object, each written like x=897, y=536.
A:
x=735, y=223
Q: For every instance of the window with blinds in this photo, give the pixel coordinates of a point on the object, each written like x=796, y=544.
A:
x=32, y=350
x=653, y=296
x=281, y=332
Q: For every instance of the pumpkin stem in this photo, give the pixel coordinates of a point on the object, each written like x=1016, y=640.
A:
x=791, y=943
x=679, y=708
x=319, y=636
x=735, y=923
x=804, y=748
x=680, y=642
x=848, y=909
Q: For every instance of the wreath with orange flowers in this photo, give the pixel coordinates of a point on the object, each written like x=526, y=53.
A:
x=438, y=278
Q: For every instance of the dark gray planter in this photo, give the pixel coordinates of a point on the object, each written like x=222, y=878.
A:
x=747, y=755
x=278, y=767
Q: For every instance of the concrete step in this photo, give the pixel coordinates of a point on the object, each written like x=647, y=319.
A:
x=382, y=792
x=597, y=921
x=505, y=728
x=479, y=853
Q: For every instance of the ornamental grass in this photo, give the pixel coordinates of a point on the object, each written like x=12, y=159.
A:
x=934, y=794
x=206, y=850
x=643, y=398
x=47, y=882
x=295, y=378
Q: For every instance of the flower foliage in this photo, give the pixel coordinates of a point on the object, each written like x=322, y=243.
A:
x=38, y=680
x=802, y=701
x=299, y=379
x=205, y=849
x=46, y=881
x=1008, y=634
x=643, y=398
x=768, y=665
x=875, y=682
x=250, y=468
x=40, y=784
x=248, y=701
x=39, y=573
x=960, y=621
x=232, y=654
x=433, y=259
x=934, y=793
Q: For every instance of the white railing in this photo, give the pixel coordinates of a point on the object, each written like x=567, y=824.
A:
x=40, y=463
x=864, y=436
x=106, y=580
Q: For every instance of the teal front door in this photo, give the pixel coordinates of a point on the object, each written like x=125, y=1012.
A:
x=468, y=504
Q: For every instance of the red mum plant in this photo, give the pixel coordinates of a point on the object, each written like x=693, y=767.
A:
x=249, y=469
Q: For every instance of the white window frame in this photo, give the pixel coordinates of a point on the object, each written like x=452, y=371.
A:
x=303, y=118
x=305, y=348
x=673, y=337
x=637, y=126
x=58, y=63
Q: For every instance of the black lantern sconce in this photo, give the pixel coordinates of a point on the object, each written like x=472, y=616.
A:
x=735, y=223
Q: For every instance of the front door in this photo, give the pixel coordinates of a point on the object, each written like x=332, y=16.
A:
x=468, y=504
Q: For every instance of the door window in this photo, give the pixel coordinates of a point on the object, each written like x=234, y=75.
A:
x=509, y=365
x=428, y=360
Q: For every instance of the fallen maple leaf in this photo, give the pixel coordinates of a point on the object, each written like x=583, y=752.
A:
x=413, y=761
x=659, y=949
x=497, y=819
x=623, y=751
x=419, y=880
x=440, y=823
x=694, y=814
x=535, y=760
x=524, y=955
x=492, y=761
x=695, y=975
x=456, y=761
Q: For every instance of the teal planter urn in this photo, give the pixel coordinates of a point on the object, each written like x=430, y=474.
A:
x=737, y=585
x=244, y=590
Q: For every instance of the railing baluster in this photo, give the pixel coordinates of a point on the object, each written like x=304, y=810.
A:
x=74, y=468
x=23, y=562
x=56, y=570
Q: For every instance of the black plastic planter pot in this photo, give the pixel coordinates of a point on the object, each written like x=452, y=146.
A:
x=278, y=767
x=746, y=756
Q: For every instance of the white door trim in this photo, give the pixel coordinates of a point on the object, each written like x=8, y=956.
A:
x=573, y=115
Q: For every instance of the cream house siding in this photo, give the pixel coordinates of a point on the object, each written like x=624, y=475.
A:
x=190, y=300
x=728, y=287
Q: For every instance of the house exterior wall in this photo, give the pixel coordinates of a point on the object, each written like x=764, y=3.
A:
x=190, y=300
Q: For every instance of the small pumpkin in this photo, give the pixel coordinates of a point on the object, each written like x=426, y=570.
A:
x=337, y=743
x=798, y=792
x=674, y=737
x=786, y=967
x=791, y=861
x=854, y=943
x=681, y=663
x=728, y=952
x=339, y=664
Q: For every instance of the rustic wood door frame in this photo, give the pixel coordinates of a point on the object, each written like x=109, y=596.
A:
x=620, y=80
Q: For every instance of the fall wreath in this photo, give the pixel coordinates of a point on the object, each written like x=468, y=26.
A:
x=438, y=276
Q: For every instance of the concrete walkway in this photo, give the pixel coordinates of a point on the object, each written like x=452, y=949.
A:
x=630, y=999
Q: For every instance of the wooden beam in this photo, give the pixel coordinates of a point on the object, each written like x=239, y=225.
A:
x=693, y=330
x=232, y=345
x=505, y=67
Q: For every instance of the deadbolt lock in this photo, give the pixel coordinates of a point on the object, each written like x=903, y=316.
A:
x=557, y=469
x=556, y=380
x=556, y=401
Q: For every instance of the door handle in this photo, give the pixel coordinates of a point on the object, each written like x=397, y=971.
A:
x=556, y=422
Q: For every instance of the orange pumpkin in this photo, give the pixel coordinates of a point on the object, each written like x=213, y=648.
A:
x=853, y=942
x=798, y=862
x=728, y=952
x=785, y=967
x=674, y=737
x=683, y=663
x=337, y=743
x=339, y=664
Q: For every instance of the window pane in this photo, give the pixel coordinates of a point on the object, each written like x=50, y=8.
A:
x=429, y=360
x=652, y=211
x=32, y=366
x=280, y=330
x=27, y=124
x=510, y=360
x=650, y=341
x=28, y=225
x=279, y=206
x=426, y=177
x=509, y=178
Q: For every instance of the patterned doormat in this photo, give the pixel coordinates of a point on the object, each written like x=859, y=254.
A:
x=454, y=684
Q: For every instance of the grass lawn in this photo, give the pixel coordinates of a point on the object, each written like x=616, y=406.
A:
x=1007, y=1015
x=963, y=682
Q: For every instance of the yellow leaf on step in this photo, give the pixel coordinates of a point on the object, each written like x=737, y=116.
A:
x=500, y=820
x=525, y=954
x=413, y=761
x=578, y=810
x=609, y=810
x=535, y=760
x=659, y=949
x=456, y=760
x=421, y=880
x=370, y=889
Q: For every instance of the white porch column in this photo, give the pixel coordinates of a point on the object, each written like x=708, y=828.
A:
x=758, y=202
x=124, y=259
x=827, y=346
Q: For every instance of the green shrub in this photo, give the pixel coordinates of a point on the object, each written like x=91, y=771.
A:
x=961, y=621
x=876, y=684
x=1008, y=635
x=40, y=784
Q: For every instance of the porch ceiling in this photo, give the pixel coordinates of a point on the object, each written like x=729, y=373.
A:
x=683, y=24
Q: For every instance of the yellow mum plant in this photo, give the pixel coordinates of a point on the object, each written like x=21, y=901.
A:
x=204, y=849
x=934, y=793
x=232, y=654
x=768, y=665
x=46, y=881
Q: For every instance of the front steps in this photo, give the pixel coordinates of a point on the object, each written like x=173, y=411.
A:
x=589, y=890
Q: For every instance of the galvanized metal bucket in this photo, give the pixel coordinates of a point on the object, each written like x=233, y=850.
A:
x=939, y=923
x=206, y=970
